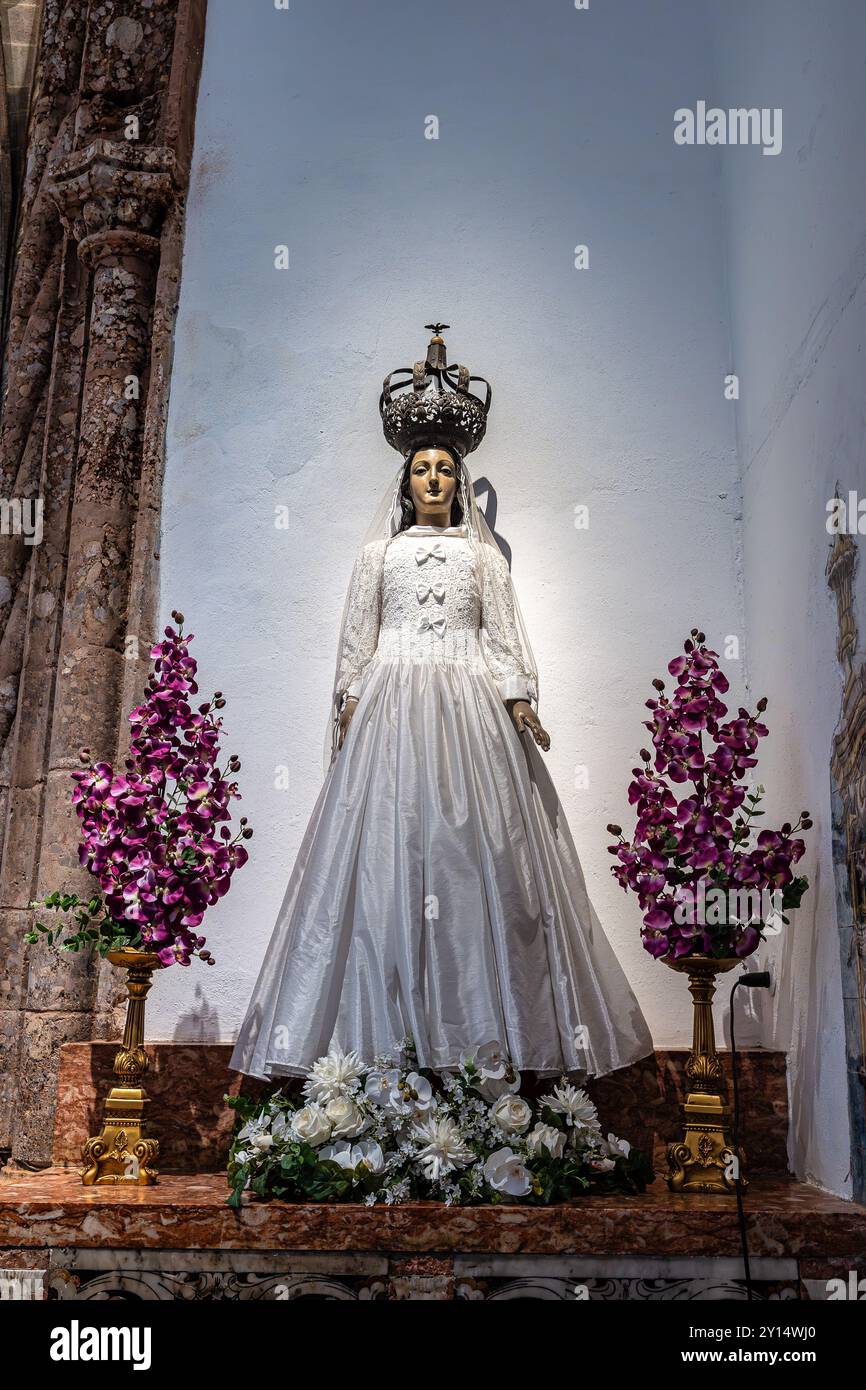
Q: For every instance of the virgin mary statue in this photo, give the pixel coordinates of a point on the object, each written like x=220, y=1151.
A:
x=437, y=893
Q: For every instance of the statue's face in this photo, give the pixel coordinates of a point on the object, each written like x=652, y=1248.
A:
x=433, y=483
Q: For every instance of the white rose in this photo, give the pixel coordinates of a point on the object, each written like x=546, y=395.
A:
x=546, y=1137
x=262, y=1142
x=511, y=1114
x=345, y=1118
x=311, y=1125
x=505, y=1172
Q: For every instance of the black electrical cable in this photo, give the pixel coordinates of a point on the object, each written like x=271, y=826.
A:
x=756, y=979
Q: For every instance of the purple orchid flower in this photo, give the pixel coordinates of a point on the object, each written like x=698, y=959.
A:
x=704, y=839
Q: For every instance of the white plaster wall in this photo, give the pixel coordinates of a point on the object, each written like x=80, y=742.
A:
x=556, y=129
x=797, y=260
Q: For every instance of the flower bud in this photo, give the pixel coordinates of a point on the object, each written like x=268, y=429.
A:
x=614, y=829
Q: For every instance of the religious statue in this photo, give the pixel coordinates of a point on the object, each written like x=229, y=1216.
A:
x=437, y=893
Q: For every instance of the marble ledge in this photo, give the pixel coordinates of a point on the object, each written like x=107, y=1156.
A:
x=51, y=1209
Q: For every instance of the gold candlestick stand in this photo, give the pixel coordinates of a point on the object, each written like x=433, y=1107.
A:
x=704, y=1160
x=122, y=1153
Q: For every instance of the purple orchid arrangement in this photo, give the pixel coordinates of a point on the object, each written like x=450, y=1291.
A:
x=156, y=836
x=708, y=881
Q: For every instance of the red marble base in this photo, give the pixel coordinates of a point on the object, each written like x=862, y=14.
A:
x=179, y=1240
x=51, y=1208
x=187, y=1083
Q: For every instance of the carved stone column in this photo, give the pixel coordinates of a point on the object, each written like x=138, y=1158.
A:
x=848, y=774
x=111, y=194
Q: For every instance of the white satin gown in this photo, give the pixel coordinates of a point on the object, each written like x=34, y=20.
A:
x=437, y=893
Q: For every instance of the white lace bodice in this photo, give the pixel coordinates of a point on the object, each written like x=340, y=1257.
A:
x=429, y=584
x=421, y=597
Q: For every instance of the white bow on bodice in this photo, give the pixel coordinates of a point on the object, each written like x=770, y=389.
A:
x=430, y=552
x=424, y=591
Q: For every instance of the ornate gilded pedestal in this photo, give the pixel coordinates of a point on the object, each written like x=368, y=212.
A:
x=704, y=1160
x=122, y=1153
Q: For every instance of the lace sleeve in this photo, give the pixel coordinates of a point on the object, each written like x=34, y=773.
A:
x=360, y=634
x=500, y=634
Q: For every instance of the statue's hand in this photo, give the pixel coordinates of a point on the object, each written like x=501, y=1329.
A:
x=345, y=719
x=524, y=717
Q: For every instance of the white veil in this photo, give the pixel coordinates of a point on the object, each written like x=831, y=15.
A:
x=500, y=609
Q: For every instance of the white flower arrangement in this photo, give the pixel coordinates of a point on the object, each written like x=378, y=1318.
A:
x=391, y=1133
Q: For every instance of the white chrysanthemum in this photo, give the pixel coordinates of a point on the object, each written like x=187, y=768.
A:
x=259, y=1124
x=443, y=1147
x=333, y=1075
x=281, y=1128
x=546, y=1137
x=575, y=1105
